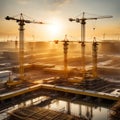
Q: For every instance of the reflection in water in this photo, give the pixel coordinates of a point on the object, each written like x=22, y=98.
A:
x=4, y=113
x=88, y=112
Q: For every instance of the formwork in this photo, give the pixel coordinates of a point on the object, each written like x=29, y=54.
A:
x=37, y=113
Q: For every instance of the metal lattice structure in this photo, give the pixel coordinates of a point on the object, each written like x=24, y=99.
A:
x=37, y=113
x=83, y=23
x=21, y=22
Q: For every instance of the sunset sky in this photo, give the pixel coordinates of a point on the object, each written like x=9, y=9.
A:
x=56, y=14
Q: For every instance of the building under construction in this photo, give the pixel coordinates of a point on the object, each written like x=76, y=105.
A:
x=56, y=76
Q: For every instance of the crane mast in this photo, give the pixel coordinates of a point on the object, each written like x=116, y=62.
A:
x=83, y=44
x=83, y=23
x=94, y=54
x=65, y=50
x=65, y=44
x=21, y=47
x=21, y=22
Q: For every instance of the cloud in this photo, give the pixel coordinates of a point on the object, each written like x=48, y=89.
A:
x=56, y=4
x=23, y=1
x=60, y=2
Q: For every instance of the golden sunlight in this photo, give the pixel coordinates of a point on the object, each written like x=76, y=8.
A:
x=55, y=28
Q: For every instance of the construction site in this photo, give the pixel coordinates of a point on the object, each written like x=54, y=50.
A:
x=59, y=79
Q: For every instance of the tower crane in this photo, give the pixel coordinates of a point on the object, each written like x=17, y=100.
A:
x=21, y=22
x=65, y=44
x=83, y=22
x=94, y=57
x=65, y=47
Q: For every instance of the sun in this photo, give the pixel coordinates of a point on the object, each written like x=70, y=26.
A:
x=55, y=28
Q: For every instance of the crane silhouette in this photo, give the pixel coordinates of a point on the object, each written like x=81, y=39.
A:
x=21, y=22
x=83, y=22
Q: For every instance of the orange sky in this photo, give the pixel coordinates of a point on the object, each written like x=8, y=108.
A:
x=56, y=13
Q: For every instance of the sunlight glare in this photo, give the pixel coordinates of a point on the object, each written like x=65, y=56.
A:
x=55, y=27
